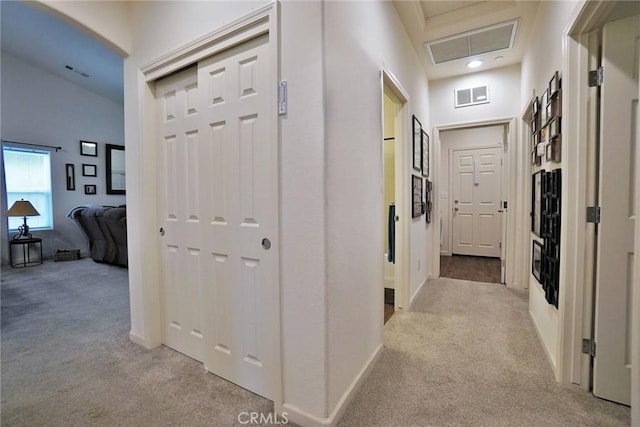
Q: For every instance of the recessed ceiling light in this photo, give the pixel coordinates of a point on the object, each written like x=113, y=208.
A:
x=474, y=64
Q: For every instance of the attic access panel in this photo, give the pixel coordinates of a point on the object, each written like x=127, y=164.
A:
x=483, y=40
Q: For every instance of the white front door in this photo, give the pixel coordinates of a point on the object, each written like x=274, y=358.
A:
x=614, y=277
x=477, y=182
x=218, y=182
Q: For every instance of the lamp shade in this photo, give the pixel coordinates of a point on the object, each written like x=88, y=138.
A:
x=22, y=208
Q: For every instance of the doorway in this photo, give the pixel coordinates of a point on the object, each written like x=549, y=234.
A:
x=395, y=202
x=472, y=210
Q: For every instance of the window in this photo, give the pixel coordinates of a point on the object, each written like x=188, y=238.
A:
x=28, y=176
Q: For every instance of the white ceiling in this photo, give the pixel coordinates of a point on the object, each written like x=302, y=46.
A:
x=49, y=43
x=433, y=20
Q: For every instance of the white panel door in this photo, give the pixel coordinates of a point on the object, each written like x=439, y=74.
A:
x=477, y=176
x=612, y=364
x=180, y=213
x=221, y=185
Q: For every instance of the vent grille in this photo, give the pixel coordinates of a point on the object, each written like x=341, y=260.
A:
x=471, y=96
x=476, y=42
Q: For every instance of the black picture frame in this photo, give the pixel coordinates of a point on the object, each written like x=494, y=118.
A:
x=417, y=206
x=90, y=189
x=536, y=203
x=88, y=148
x=115, y=169
x=70, y=170
x=536, y=260
x=417, y=144
x=89, y=170
x=554, y=84
x=425, y=154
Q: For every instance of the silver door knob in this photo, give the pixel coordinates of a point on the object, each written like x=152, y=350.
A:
x=266, y=244
x=161, y=231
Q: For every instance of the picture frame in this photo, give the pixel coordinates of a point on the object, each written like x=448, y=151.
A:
x=417, y=144
x=536, y=260
x=554, y=84
x=88, y=148
x=536, y=203
x=115, y=169
x=545, y=108
x=70, y=170
x=416, y=196
x=89, y=170
x=90, y=189
x=425, y=154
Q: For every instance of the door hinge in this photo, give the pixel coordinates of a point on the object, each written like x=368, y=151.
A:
x=593, y=214
x=500, y=245
x=282, y=97
x=589, y=347
x=596, y=77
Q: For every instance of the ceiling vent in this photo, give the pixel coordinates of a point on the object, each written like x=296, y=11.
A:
x=471, y=96
x=476, y=42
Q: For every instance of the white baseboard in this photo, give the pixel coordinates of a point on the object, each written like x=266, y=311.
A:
x=299, y=416
x=551, y=360
x=138, y=339
x=412, y=300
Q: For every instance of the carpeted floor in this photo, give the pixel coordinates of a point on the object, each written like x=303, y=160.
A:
x=476, y=268
x=67, y=359
x=468, y=355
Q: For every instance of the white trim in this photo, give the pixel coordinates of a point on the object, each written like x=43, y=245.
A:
x=299, y=416
x=416, y=293
x=256, y=23
x=516, y=213
x=403, y=250
x=552, y=362
x=138, y=339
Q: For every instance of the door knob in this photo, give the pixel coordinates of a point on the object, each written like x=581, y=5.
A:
x=161, y=231
x=266, y=244
x=455, y=209
x=455, y=201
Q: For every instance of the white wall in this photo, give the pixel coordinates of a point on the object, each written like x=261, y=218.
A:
x=543, y=57
x=360, y=38
x=330, y=216
x=39, y=107
x=504, y=87
x=456, y=139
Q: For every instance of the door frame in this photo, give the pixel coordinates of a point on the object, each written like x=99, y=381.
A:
x=515, y=175
x=576, y=295
x=145, y=304
x=388, y=79
x=450, y=207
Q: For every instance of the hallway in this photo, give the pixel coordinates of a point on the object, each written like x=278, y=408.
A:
x=468, y=355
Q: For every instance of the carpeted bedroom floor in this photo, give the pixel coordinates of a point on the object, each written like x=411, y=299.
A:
x=468, y=355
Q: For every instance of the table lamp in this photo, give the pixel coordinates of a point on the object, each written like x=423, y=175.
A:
x=24, y=209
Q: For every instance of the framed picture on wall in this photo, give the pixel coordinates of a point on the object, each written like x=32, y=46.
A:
x=417, y=144
x=536, y=203
x=71, y=176
x=88, y=148
x=425, y=154
x=90, y=189
x=417, y=206
x=536, y=260
x=89, y=170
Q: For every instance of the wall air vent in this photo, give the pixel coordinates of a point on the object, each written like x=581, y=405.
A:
x=471, y=96
x=476, y=42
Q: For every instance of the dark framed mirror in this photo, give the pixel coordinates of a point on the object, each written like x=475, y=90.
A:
x=116, y=182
